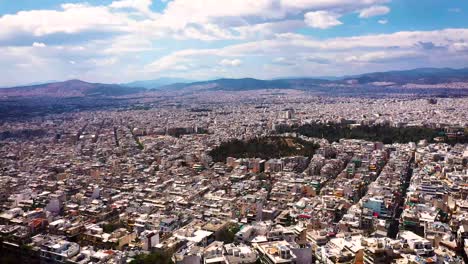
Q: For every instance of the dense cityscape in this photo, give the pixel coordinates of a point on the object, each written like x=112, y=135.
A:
x=233, y=132
x=140, y=186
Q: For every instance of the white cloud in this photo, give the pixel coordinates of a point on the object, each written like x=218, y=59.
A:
x=206, y=32
x=346, y=55
x=269, y=29
x=72, y=19
x=459, y=46
x=180, y=13
x=252, y=17
x=141, y=5
x=383, y=56
x=112, y=43
x=181, y=19
x=322, y=19
x=283, y=61
x=173, y=61
x=232, y=63
x=374, y=11
x=105, y=62
x=129, y=44
x=39, y=45
x=342, y=5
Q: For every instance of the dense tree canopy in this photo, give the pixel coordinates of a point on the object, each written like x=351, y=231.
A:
x=152, y=258
x=264, y=148
x=228, y=234
x=384, y=133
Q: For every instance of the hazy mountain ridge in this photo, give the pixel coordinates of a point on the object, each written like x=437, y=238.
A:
x=156, y=83
x=399, y=81
x=71, y=88
x=416, y=76
x=245, y=84
x=233, y=84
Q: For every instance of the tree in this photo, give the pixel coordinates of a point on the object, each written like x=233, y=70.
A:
x=159, y=258
x=264, y=148
x=228, y=234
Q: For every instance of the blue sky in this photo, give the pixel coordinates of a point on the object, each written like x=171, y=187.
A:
x=125, y=40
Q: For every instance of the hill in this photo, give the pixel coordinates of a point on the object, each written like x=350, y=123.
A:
x=439, y=78
x=416, y=76
x=246, y=84
x=424, y=81
x=71, y=88
x=264, y=148
x=156, y=83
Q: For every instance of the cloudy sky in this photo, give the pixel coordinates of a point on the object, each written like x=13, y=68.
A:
x=124, y=40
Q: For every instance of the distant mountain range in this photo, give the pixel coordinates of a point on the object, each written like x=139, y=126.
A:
x=396, y=79
x=156, y=83
x=423, y=78
x=232, y=85
x=71, y=88
x=416, y=76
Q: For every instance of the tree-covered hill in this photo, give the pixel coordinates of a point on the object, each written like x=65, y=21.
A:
x=264, y=148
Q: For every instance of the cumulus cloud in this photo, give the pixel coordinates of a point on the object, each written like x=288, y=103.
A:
x=342, y=5
x=181, y=19
x=248, y=18
x=269, y=29
x=460, y=46
x=182, y=12
x=384, y=56
x=179, y=13
x=39, y=45
x=141, y=5
x=177, y=60
x=322, y=19
x=71, y=19
x=374, y=11
x=232, y=63
x=383, y=50
x=113, y=42
x=283, y=61
x=128, y=44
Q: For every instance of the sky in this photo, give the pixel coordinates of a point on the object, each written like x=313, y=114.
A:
x=125, y=40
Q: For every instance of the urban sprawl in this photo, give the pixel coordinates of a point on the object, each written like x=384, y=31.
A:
x=138, y=185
